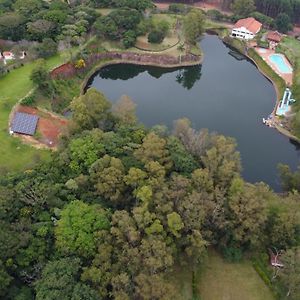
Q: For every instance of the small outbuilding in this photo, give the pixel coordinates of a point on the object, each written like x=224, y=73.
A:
x=24, y=123
x=274, y=38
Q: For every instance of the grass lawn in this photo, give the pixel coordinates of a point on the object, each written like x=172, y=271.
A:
x=181, y=278
x=13, y=154
x=221, y=280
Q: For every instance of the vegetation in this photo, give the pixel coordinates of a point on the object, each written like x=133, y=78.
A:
x=193, y=26
x=266, y=69
x=291, y=47
x=14, y=154
x=221, y=279
x=131, y=206
x=120, y=210
x=243, y=7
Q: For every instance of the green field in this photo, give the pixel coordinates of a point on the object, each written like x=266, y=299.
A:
x=221, y=280
x=13, y=154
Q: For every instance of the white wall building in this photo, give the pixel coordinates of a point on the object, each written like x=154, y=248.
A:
x=246, y=28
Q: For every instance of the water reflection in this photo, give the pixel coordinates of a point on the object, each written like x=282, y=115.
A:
x=188, y=77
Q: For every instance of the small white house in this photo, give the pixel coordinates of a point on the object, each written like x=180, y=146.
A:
x=8, y=55
x=246, y=28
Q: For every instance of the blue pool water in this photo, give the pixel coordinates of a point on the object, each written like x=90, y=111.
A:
x=280, y=63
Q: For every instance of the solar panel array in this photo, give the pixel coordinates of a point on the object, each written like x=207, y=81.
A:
x=24, y=123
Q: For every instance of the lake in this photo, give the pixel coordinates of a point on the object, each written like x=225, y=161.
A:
x=226, y=94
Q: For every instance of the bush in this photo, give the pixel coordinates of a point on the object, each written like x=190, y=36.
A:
x=232, y=254
x=265, y=20
x=215, y=14
x=177, y=8
x=263, y=44
x=129, y=39
x=29, y=101
x=262, y=274
x=156, y=36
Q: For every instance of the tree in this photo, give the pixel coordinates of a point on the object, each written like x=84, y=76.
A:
x=5, y=280
x=183, y=161
x=283, y=23
x=243, y=7
x=11, y=26
x=59, y=280
x=47, y=48
x=125, y=110
x=246, y=215
x=289, y=180
x=129, y=39
x=222, y=160
x=107, y=174
x=290, y=273
x=40, y=29
x=40, y=77
x=156, y=36
x=154, y=149
x=193, y=25
x=28, y=8
x=76, y=230
x=90, y=110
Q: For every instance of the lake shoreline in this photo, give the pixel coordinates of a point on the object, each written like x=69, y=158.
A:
x=258, y=65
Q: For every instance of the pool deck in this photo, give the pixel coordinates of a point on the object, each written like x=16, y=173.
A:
x=265, y=53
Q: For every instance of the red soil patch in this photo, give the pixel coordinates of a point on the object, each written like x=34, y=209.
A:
x=65, y=70
x=49, y=126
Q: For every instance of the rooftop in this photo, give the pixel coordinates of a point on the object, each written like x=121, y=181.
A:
x=249, y=23
x=274, y=36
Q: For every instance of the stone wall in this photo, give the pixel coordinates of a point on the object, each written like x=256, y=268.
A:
x=68, y=70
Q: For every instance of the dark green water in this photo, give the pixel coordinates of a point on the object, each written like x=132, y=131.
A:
x=225, y=94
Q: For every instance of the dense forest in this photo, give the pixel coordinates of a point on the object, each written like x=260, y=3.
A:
x=271, y=8
x=119, y=205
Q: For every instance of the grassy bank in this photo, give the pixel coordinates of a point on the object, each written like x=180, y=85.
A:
x=235, y=281
x=13, y=154
x=291, y=48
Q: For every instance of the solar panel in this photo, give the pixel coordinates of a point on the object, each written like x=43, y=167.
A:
x=24, y=123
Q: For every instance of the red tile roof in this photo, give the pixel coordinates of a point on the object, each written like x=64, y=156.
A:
x=249, y=23
x=6, y=53
x=274, y=36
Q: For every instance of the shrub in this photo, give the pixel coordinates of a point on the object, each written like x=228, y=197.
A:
x=129, y=39
x=156, y=36
x=232, y=254
x=215, y=14
x=177, y=8
x=29, y=101
x=262, y=274
x=263, y=44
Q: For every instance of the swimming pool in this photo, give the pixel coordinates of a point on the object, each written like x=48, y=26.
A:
x=280, y=63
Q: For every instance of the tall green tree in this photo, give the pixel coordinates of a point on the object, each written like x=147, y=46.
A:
x=290, y=273
x=59, y=280
x=90, y=110
x=193, y=26
x=243, y=8
x=77, y=228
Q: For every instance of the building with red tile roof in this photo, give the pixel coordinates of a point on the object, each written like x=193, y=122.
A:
x=274, y=36
x=246, y=28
